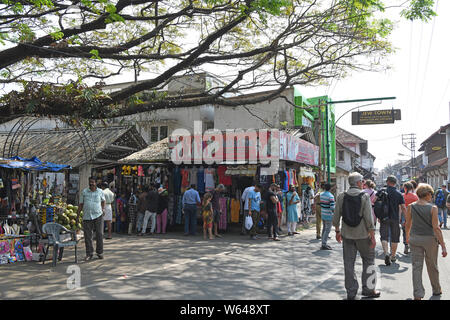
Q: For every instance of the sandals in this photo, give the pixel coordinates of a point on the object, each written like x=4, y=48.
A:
x=373, y=294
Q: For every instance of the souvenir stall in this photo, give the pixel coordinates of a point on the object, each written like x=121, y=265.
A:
x=32, y=193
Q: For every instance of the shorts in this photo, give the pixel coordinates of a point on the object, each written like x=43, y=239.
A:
x=216, y=216
x=108, y=213
x=394, y=226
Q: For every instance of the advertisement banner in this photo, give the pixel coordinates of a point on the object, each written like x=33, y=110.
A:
x=298, y=150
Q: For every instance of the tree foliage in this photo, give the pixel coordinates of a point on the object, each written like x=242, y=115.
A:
x=55, y=48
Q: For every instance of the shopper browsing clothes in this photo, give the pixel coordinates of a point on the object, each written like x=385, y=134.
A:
x=207, y=214
x=216, y=194
x=150, y=212
x=292, y=213
x=109, y=199
x=161, y=217
x=271, y=201
x=191, y=199
x=142, y=207
x=92, y=202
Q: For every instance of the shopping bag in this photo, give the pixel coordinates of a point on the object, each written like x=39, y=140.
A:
x=248, y=222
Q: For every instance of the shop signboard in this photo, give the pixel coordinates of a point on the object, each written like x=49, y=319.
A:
x=376, y=116
x=298, y=150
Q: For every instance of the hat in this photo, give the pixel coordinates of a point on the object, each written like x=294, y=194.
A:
x=161, y=190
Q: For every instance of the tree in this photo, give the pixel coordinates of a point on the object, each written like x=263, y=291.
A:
x=254, y=44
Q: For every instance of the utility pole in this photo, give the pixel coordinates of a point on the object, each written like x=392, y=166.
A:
x=409, y=142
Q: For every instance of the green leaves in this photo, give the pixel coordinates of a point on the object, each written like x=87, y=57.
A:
x=419, y=10
x=95, y=55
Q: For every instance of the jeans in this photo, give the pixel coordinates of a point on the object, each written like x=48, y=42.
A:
x=139, y=221
x=442, y=214
x=148, y=215
x=326, y=231
x=190, y=219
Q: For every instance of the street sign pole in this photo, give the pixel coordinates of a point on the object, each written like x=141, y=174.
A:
x=326, y=104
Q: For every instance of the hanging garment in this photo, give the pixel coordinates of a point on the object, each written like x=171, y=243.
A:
x=235, y=209
x=184, y=178
x=209, y=179
x=201, y=180
x=193, y=176
x=223, y=216
x=179, y=210
x=284, y=181
x=223, y=178
x=177, y=180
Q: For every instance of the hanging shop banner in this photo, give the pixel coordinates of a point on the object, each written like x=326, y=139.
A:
x=376, y=116
x=298, y=150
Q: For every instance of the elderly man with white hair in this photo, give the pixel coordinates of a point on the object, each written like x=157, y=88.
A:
x=357, y=235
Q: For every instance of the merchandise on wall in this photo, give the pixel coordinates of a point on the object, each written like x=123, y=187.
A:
x=32, y=193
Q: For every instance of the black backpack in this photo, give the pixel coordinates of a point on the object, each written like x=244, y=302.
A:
x=381, y=205
x=351, y=209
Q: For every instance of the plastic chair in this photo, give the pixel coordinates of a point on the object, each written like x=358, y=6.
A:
x=53, y=231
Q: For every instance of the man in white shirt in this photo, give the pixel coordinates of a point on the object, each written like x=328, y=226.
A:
x=109, y=200
x=244, y=199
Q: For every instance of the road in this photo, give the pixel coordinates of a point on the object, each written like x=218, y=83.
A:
x=174, y=267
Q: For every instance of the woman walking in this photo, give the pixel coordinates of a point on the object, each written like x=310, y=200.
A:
x=292, y=213
x=424, y=236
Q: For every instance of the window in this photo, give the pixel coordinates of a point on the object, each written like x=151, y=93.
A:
x=163, y=130
x=154, y=134
x=341, y=155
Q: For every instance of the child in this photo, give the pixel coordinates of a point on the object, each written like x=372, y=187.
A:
x=207, y=213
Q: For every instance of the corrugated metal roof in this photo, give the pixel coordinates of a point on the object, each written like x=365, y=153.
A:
x=65, y=145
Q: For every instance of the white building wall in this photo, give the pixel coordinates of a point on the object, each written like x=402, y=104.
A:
x=256, y=116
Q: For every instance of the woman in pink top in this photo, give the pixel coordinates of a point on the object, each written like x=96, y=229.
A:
x=410, y=197
x=369, y=188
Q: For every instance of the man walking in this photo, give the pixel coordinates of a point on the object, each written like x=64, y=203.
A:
x=271, y=201
x=150, y=212
x=440, y=199
x=358, y=235
x=109, y=200
x=254, y=202
x=390, y=228
x=191, y=199
x=92, y=203
x=327, y=211
x=216, y=193
x=318, y=211
x=244, y=199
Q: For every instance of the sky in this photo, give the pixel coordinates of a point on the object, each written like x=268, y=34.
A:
x=419, y=78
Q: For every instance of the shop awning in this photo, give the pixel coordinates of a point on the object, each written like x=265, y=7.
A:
x=32, y=164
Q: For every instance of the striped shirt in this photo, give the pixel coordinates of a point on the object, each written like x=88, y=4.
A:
x=327, y=205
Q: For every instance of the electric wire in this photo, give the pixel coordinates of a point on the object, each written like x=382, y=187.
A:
x=426, y=63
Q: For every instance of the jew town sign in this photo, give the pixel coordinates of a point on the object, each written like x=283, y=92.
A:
x=376, y=116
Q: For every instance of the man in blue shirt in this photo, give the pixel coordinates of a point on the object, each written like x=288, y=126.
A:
x=254, y=202
x=92, y=202
x=391, y=226
x=327, y=206
x=191, y=199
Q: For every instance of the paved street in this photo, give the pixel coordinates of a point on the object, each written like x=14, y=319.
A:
x=171, y=266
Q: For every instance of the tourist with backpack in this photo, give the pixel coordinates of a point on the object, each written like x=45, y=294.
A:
x=393, y=202
x=356, y=235
x=440, y=197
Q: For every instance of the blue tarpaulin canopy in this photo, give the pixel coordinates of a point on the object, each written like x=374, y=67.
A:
x=33, y=164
